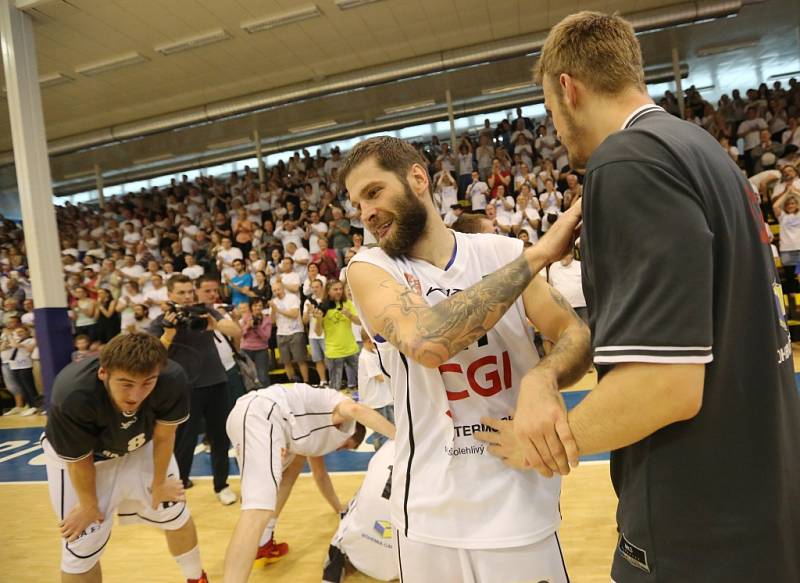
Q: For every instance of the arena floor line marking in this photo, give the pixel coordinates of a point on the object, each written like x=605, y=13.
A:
x=20, y=453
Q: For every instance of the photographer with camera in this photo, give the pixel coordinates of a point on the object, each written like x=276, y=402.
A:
x=187, y=329
x=335, y=317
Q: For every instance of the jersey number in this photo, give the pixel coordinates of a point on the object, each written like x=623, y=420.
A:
x=136, y=442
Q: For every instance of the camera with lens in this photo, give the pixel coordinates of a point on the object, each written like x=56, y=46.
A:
x=324, y=305
x=190, y=317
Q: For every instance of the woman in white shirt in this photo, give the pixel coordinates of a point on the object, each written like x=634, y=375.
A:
x=787, y=211
x=447, y=189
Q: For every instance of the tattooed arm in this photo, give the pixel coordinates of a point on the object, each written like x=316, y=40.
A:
x=540, y=422
x=432, y=334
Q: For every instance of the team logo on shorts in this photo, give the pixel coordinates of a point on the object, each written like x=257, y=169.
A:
x=383, y=528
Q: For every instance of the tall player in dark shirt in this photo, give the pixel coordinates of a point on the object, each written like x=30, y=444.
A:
x=696, y=399
x=108, y=445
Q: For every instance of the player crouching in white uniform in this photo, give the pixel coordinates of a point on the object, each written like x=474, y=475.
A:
x=108, y=447
x=364, y=540
x=270, y=429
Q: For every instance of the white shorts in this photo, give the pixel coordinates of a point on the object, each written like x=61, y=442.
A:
x=540, y=562
x=258, y=440
x=122, y=486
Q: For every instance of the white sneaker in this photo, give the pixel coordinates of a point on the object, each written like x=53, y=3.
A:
x=227, y=496
x=15, y=411
x=28, y=412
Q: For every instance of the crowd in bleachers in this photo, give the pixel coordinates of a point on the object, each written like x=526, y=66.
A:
x=281, y=248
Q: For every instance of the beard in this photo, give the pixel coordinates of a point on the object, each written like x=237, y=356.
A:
x=572, y=136
x=410, y=220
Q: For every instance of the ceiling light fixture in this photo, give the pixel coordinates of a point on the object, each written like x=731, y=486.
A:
x=112, y=64
x=193, y=42
x=783, y=75
x=151, y=159
x=508, y=88
x=283, y=19
x=229, y=144
x=348, y=4
x=314, y=126
x=410, y=107
x=712, y=50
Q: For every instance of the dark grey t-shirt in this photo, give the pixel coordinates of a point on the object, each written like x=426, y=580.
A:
x=196, y=351
x=83, y=419
x=678, y=269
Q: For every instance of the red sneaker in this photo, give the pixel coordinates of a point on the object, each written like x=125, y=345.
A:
x=203, y=579
x=271, y=552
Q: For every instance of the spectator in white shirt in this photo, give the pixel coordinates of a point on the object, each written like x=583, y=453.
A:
x=291, y=338
x=155, y=297
x=226, y=256
x=301, y=258
x=289, y=232
x=477, y=191
x=288, y=277
x=313, y=273
x=131, y=269
x=192, y=269
x=749, y=130
x=550, y=200
x=451, y=216
x=565, y=277
x=315, y=229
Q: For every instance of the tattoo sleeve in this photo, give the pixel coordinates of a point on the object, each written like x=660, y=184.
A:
x=440, y=331
x=570, y=357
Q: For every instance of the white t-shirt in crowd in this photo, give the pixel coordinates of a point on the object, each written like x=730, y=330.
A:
x=317, y=230
x=286, y=325
x=567, y=280
x=372, y=392
x=193, y=272
x=157, y=295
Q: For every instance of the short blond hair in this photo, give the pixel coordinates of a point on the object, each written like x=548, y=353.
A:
x=599, y=50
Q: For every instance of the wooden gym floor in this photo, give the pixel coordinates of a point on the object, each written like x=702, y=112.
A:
x=29, y=550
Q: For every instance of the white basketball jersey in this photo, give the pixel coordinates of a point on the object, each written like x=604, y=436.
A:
x=305, y=413
x=365, y=533
x=446, y=488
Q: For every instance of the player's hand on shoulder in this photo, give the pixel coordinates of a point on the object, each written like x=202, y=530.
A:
x=78, y=520
x=170, y=490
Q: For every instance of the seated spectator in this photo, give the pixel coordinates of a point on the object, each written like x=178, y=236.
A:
x=789, y=181
x=550, y=199
x=334, y=318
x=766, y=153
x=256, y=330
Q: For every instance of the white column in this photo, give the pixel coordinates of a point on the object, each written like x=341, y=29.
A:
x=676, y=70
x=98, y=175
x=42, y=245
x=259, y=157
x=451, y=116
